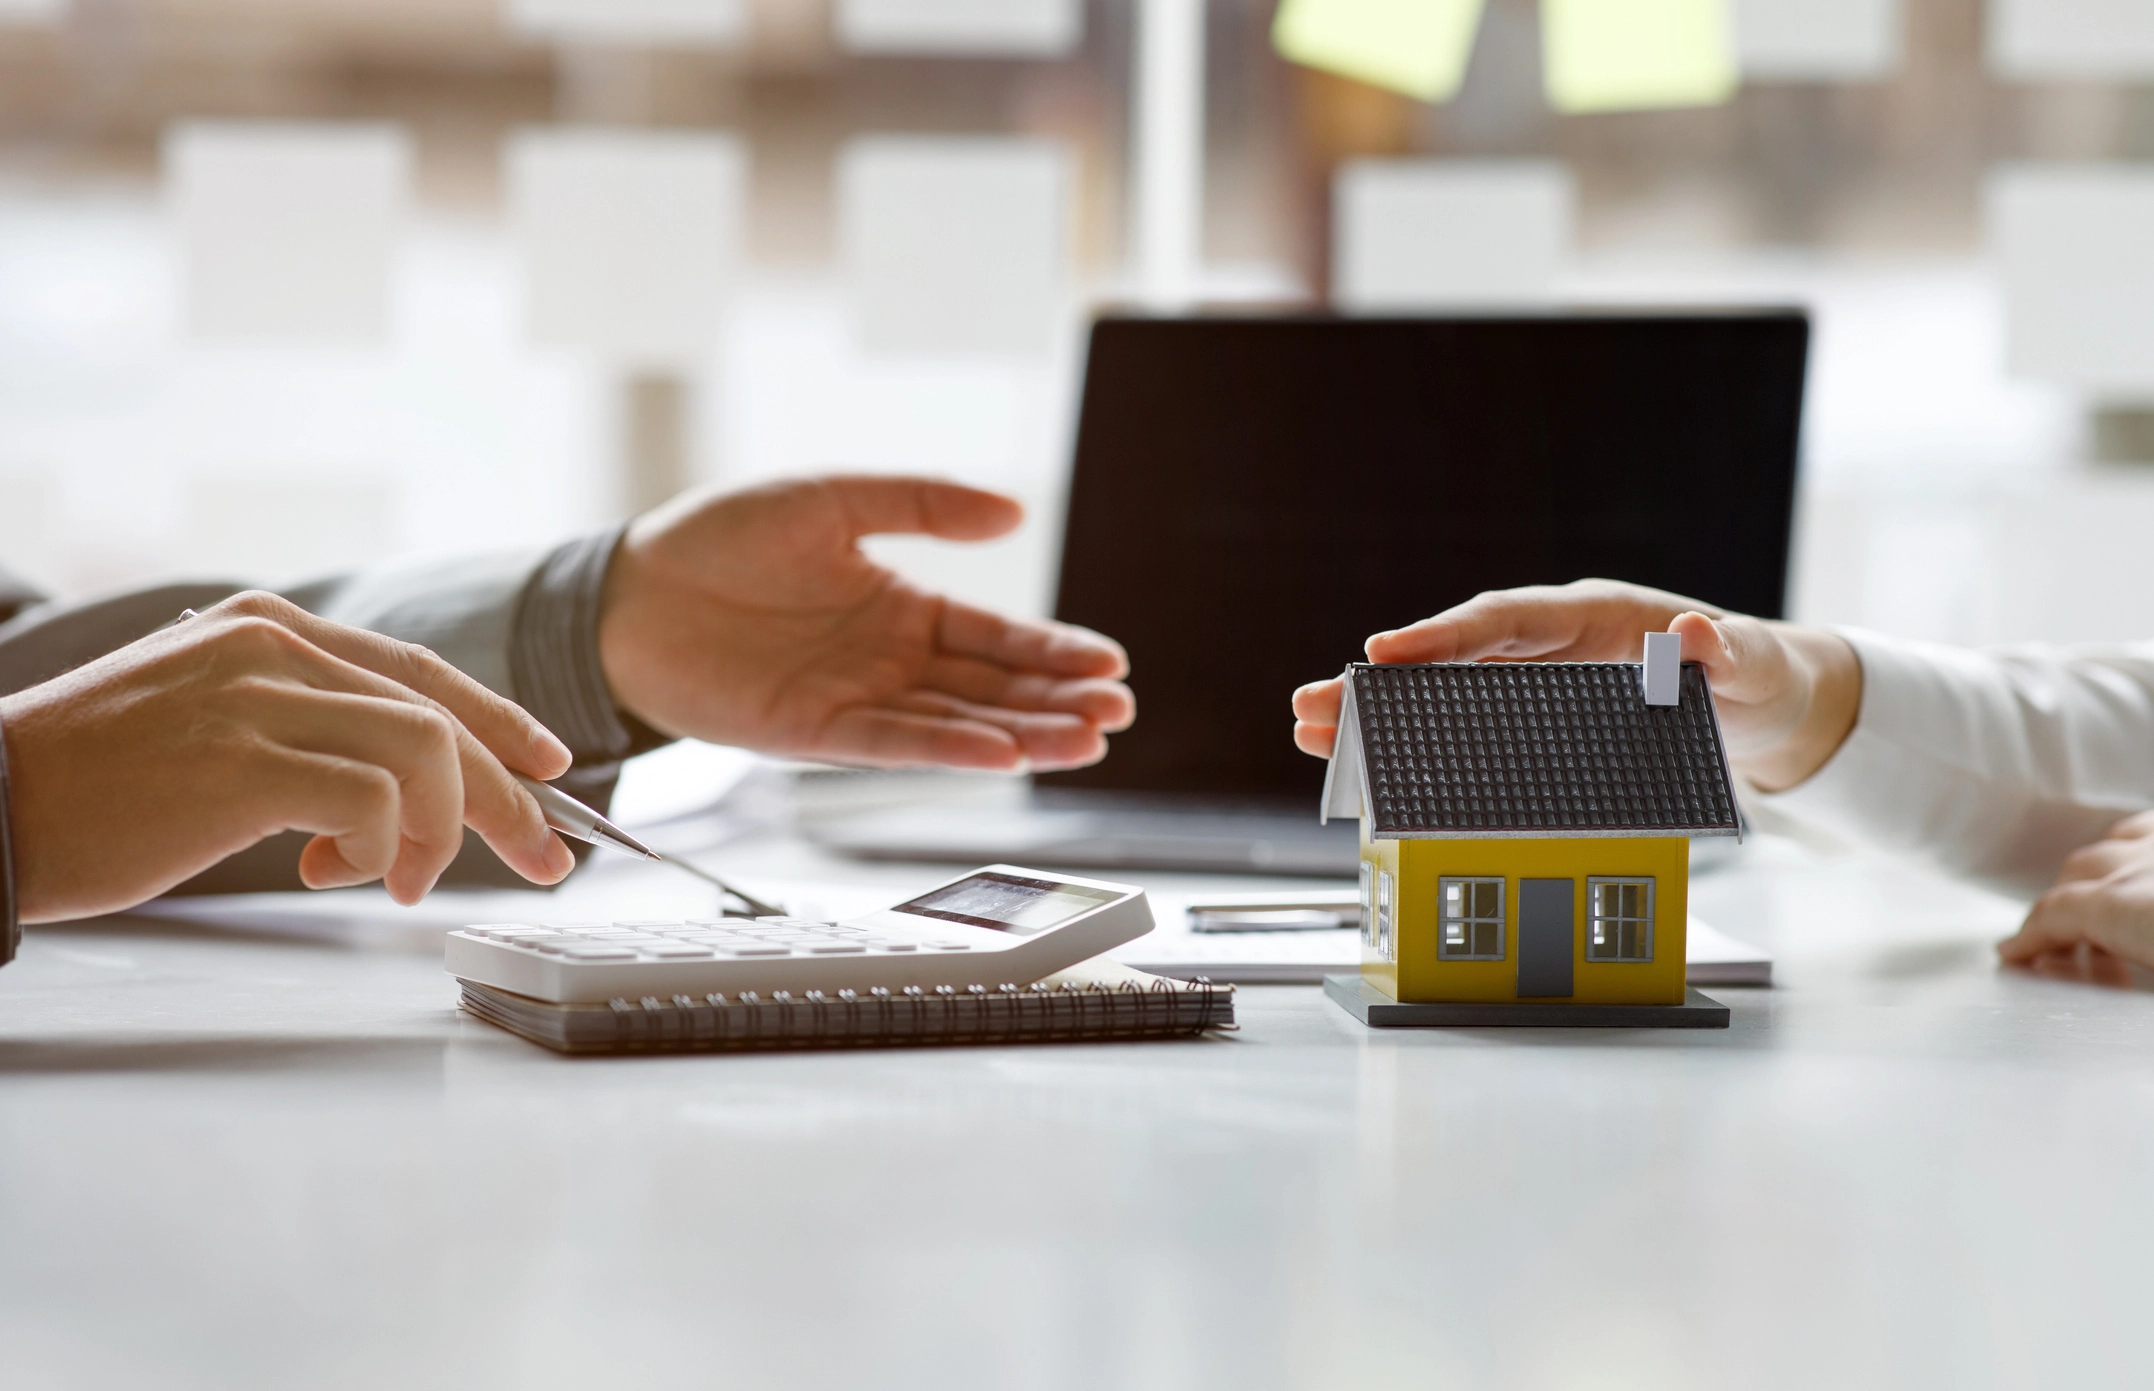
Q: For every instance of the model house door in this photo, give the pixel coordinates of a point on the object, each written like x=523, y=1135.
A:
x=1546, y=925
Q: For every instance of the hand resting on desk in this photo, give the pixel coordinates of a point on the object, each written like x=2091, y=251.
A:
x=133, y=773
x=2103, y=900
x=754, y=619
x=1789, y=697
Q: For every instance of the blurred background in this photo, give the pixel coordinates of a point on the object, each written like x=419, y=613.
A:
x=291, y=284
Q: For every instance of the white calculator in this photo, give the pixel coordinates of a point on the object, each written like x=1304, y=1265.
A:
x=994, y=926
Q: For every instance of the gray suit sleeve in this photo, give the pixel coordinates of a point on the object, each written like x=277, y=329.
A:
x=523, y=624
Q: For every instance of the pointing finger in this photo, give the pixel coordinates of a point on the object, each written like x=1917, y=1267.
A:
x=1107, y=704
x=873, y=505
x=1059, y=649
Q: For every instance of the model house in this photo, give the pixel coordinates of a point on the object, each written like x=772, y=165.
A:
x=1525, y=827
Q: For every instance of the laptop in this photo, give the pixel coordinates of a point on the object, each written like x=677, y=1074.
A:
x=1252, y=497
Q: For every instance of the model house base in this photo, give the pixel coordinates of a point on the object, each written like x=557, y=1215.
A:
x=1378, y=1010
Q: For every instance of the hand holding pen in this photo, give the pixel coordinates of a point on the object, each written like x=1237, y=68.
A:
x=134, y=773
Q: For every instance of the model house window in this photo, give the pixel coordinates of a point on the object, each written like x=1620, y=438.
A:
x=1620, y=920
x=1386, y=913
x=1472, y=916
x=1368, y=904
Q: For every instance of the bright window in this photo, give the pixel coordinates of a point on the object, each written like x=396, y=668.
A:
x=1619, y=924
x=1472, y=919
x=1368, y=904
x=1387, y=945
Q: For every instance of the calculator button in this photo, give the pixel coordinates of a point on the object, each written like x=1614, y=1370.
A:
x=898, y=946
x=833, y=948
x=951, y=946
x=596, y=951
x=756, y=949
x=677, y=951
x=649, y=923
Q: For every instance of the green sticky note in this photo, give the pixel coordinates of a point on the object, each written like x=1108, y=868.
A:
x=1631, y=55
x=1418, y=47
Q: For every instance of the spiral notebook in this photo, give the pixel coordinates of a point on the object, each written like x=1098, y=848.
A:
x=1098, y=1000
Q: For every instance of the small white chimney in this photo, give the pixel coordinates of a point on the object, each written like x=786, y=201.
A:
x=1663, y=669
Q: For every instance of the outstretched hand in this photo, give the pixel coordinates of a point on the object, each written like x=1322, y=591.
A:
x=754, y=619
x=1787, y=696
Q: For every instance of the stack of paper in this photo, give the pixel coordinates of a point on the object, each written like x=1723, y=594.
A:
x=1297, y=958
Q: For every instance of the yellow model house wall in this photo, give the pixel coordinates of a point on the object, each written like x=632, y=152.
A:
x=1418, y=975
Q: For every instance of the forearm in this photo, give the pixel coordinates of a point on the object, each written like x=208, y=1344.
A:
x=1996, y=765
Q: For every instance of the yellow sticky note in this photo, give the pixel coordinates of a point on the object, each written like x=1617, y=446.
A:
x=1418, y=47
x=1630, y=55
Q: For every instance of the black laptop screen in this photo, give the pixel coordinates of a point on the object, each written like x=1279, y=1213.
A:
x=1251, y=498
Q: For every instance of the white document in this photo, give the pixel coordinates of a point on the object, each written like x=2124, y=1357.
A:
x=686, y=23
x=967, y=28
x=2046, y=40
x=685, y=778
x=2072, y=243
x=1433, y=234
x=954, y=246
x=629, y=238
x=287, y=229
x=1819, y=40
x=1305, y=958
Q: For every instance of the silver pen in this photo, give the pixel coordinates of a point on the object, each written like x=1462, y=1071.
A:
x=572, y=818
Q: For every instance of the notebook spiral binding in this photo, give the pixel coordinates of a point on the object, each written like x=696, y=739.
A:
x=941, y=1015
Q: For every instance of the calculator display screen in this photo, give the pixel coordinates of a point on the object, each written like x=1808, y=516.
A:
x=1008, y=903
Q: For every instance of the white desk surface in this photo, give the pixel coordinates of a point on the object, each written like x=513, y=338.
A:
x=235, y=1163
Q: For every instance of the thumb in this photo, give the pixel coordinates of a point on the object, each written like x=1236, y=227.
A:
x=1741, y=657
x=871, y=505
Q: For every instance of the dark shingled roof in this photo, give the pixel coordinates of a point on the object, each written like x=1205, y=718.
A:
x=1539, y=749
